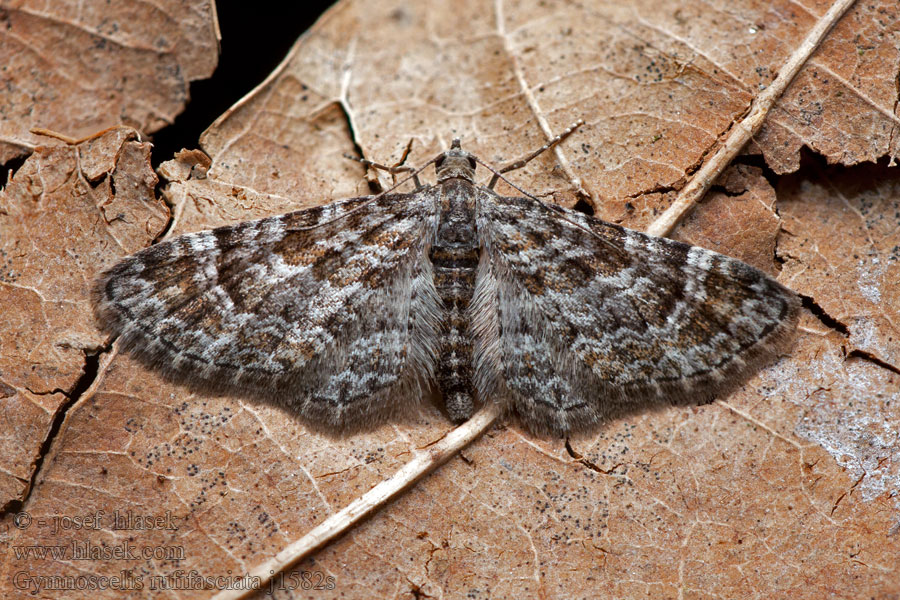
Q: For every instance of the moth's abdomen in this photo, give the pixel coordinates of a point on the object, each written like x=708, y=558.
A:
x=455, y=255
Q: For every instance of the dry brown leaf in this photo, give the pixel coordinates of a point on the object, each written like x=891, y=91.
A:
x=66, y=211
x=784, y=489
x=79, y=67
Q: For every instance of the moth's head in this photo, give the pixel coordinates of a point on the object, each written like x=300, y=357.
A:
x=455, y=162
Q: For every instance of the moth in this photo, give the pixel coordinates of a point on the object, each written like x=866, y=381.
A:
x=351, y=312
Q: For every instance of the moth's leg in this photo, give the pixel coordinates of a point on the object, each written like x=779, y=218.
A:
x=524, y=161
x=392, y=170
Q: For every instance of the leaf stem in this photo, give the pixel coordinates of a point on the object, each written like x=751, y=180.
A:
x=747, y=127
x=424, y=462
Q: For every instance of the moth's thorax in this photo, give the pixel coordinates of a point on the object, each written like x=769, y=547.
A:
x=455, y=163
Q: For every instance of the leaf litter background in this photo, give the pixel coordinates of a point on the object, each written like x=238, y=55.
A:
x=787, y=488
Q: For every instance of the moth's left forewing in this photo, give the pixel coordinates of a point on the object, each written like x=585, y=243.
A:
x=596, y=319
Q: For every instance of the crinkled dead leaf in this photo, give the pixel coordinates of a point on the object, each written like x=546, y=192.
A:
x=79, y=67
x=784, y=489
x=66, y=212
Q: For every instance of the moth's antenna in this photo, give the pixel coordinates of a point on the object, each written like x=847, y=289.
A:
x=524, y=161
x=497, y=176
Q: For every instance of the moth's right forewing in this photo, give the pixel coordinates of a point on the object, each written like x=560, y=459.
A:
x=327, y=310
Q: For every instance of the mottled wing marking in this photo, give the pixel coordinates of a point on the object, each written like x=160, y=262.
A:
x=594, y=318
x=331, y=310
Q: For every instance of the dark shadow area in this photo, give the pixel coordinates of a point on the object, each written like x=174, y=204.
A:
x=758, y=161
x=583, y=206
x=9, y=169
x=255, y=39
